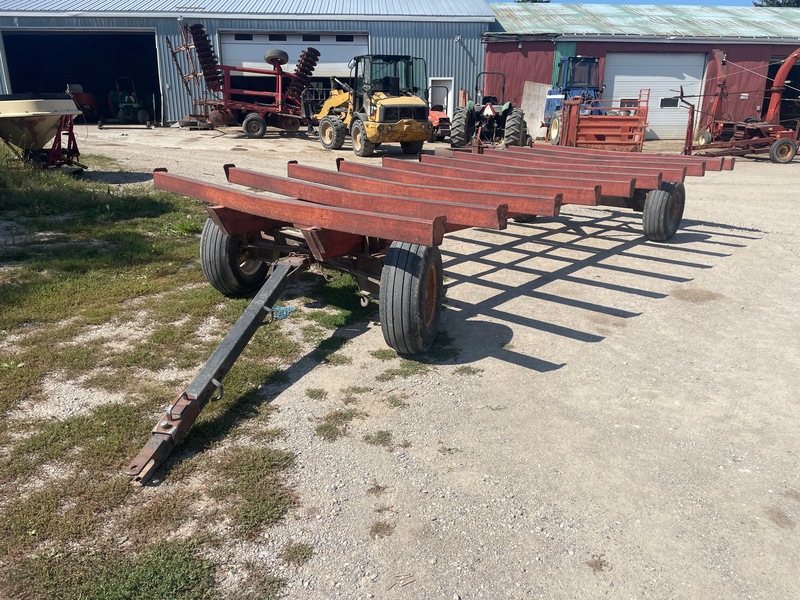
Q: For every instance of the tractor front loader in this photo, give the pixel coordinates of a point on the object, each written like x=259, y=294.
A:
x=384, y=103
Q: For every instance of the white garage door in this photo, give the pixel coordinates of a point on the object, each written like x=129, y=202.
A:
x=336, y=50
x=663, y=75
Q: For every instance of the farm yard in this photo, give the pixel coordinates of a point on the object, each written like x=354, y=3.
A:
x=599, y=416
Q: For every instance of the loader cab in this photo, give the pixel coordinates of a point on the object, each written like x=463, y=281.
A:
x=391, y=76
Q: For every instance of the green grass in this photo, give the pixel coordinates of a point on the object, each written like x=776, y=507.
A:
x=467, y=370
x=379, y=438
x=334, y=424
x=297, y=554
x=316, y=394
x=408, y=368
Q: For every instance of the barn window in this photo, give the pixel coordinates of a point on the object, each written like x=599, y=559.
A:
x=344, y=38
x=669, y=103
x=310, y=38
x=244, y=37
x=277, y=37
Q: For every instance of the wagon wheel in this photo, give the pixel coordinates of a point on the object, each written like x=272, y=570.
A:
x=228, y=264
x=663, y=211
x=411, y=147
x=254, y=126
x=462, y=127
x=411, y=297
x=554, y=131
x=514, y=132
x=783, y=151
x=361, y=145
x=332, y=133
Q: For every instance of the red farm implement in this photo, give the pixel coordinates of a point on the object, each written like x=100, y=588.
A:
x=718, y=136
x=218, y=93
x=384, y=225
x=618, y=126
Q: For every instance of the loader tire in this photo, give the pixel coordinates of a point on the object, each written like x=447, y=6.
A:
x=783, y=151
x=229, y=266
x=332, y=133
x=554, y=131
x=254, y=126
x=411, y=295
x=514, y=134
x=663, y=211
x=411, y=147
x=361, y=145
x=462, y=127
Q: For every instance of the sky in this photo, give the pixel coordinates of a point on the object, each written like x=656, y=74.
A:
x=673, y=2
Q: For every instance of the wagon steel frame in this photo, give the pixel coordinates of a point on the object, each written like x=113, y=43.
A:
x=383, y=224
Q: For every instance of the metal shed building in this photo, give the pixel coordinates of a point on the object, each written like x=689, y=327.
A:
x=48, y=44
x=661, y=48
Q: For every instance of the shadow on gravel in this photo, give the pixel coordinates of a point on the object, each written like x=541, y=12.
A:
x=116, y=177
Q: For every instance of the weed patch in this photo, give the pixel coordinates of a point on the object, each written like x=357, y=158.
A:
x=379, y=438
x=381, y=529
x=297, y=554
x=334, y=424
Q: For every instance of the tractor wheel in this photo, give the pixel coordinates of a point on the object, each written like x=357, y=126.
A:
x=411, y=297
x=228, y=264
x=142, y=116
x=254, y=126
x=411, y=147
x=332, y=133
x=554, y=131
x=361, y=145
x=663, y=211
x=276, y=57
x=462, y=127
x=783, y=151
x=514, y=133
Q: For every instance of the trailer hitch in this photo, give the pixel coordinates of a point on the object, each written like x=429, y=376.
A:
x=179, y=416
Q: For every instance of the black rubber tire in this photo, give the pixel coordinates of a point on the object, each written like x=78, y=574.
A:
x=663, y=211
x=276, y=57
x=332, y=133
x=361, y=145
x=783, y=151
x=412, y=147
x=514, y=133
x=142, y=116
x=411, y=297
x=227, y=266
x=254, y=126
x=554, y=131
x=462, y=127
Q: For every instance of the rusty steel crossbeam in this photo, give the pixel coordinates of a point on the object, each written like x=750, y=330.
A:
x=427, y=232
x=587, y=195
x=632, y=159
x=618, y=186
x=517, y=204
x=711, y=163
x=673, y=174
x=458, y=214
x=465, y=160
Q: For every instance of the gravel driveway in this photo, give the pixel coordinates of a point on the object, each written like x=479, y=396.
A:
x=620, y=418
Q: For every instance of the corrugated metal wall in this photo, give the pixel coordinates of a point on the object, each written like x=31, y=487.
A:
x=450, y=49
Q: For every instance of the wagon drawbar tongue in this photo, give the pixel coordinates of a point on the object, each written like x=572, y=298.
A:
x=383, y=225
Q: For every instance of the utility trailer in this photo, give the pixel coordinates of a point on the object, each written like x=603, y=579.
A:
x=384, y=225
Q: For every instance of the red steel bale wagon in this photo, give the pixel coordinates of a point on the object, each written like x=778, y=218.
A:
x=384, y=225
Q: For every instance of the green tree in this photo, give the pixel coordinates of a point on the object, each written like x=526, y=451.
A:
x=772, y=3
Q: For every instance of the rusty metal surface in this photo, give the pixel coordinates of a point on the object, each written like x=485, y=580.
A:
x=428, y=232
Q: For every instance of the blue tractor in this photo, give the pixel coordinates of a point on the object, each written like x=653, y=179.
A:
x=578, y=77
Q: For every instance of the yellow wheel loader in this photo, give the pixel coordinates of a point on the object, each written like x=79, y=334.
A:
x=384, y=102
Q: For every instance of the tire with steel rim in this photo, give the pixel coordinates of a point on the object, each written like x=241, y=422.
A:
x=663, y=211
x=554, y=131
x=411, y=147
x=332, y=133
x=228, y=264
x=411, y=293
x=783, y=151
x=254, y=126
x=361, y=145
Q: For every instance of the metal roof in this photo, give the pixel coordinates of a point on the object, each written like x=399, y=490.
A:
x=338, y=9
x=673, y=22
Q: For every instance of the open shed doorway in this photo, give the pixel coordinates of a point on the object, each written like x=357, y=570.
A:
x=790, y=100
x=100, y=63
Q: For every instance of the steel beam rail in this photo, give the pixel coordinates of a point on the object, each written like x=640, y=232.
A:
x=571, y=194
x=458, y=214
x=465, y=160
x=171, y=429
x=427, y=232
x=611, y=184
x=548, y=202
